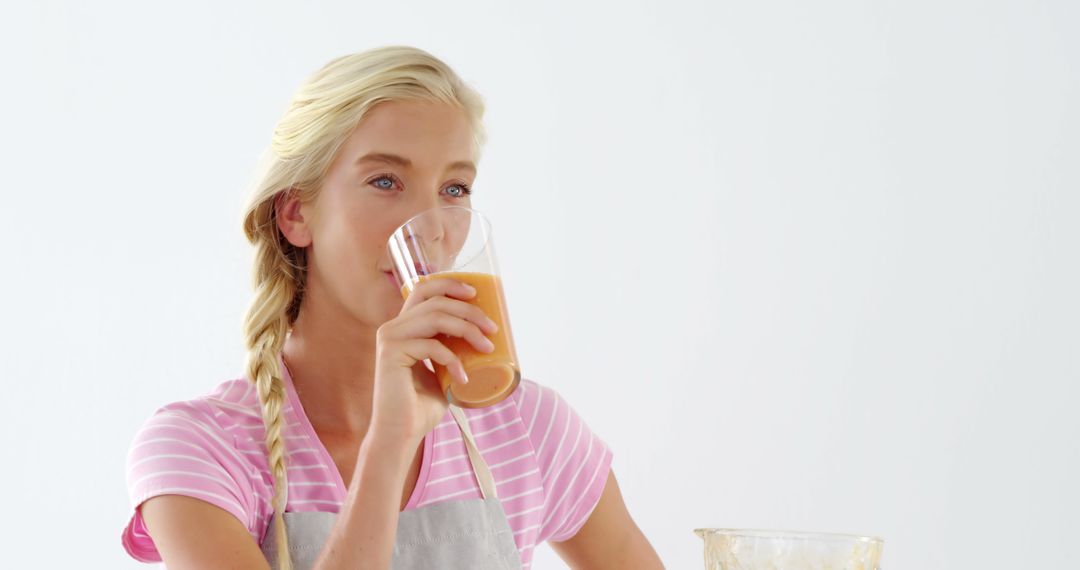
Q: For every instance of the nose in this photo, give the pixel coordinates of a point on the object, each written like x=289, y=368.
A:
x=431, y=227
x=423, y=240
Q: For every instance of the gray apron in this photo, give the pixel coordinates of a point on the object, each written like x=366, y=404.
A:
x=470, y=533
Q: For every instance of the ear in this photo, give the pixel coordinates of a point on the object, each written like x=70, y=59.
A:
x=290, y=218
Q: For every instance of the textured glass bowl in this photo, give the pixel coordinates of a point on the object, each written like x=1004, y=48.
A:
x=745, y=549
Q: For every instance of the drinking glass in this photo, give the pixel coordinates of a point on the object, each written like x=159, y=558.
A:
x=455, y=242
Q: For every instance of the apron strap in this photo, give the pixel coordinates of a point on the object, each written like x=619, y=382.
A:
x=480, y=467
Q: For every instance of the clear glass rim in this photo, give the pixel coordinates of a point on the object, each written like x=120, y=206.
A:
x=796, y=534
x=486, y=224
x=477, y=213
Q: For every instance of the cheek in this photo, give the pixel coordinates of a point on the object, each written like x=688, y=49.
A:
x=373, y=234
x=365, y=222
x=353, y=243
x=355, y=227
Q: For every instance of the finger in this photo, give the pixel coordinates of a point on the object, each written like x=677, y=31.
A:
x=429, y=348
x=435, y=287
x=461, y=309
x=430, y=324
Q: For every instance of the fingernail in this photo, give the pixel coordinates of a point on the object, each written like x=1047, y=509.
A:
x=470, y=288
x=464, y=376
x=493, y=325
x=490, y=345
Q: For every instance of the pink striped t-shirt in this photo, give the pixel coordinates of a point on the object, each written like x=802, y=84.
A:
x=549, y=468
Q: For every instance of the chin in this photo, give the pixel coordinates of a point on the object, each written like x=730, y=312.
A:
x=391, y=302
x=388, y=312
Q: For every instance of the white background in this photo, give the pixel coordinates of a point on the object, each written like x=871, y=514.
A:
x=804, y=265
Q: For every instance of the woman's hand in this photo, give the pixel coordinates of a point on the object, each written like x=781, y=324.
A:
x=407, y=401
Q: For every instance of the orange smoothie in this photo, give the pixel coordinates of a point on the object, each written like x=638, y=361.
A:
x=493, y=375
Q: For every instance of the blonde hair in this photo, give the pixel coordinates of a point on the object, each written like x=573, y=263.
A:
x=322, y=114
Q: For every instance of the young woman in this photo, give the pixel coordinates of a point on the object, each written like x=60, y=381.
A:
x=338, y=447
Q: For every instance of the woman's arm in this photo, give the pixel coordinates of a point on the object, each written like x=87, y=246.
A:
x=363, y=536
x=609, y=538
x=190, y=533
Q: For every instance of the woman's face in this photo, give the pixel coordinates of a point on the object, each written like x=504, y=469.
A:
x=403, y=157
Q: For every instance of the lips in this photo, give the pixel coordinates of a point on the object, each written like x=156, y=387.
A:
x=419, y=268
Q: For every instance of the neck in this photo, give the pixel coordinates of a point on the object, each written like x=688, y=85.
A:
x=332, y=364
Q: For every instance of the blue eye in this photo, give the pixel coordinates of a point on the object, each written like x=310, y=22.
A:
x=379, y=180
x=383, y=179
x=464, y=190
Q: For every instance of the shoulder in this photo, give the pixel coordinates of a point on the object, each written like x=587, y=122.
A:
x=224, y=418
x=538, y=419
x=573, y=460
x=513, y=416
x=202, y=447
x=235, y=407
x=543, y=409
x=212, y=434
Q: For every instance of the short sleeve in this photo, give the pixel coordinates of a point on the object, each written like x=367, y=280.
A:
x=180, y=450
x=574, y=462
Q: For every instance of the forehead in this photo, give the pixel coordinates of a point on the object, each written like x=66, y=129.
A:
x=419, y=130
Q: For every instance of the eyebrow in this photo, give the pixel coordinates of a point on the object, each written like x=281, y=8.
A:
x=406, y=163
